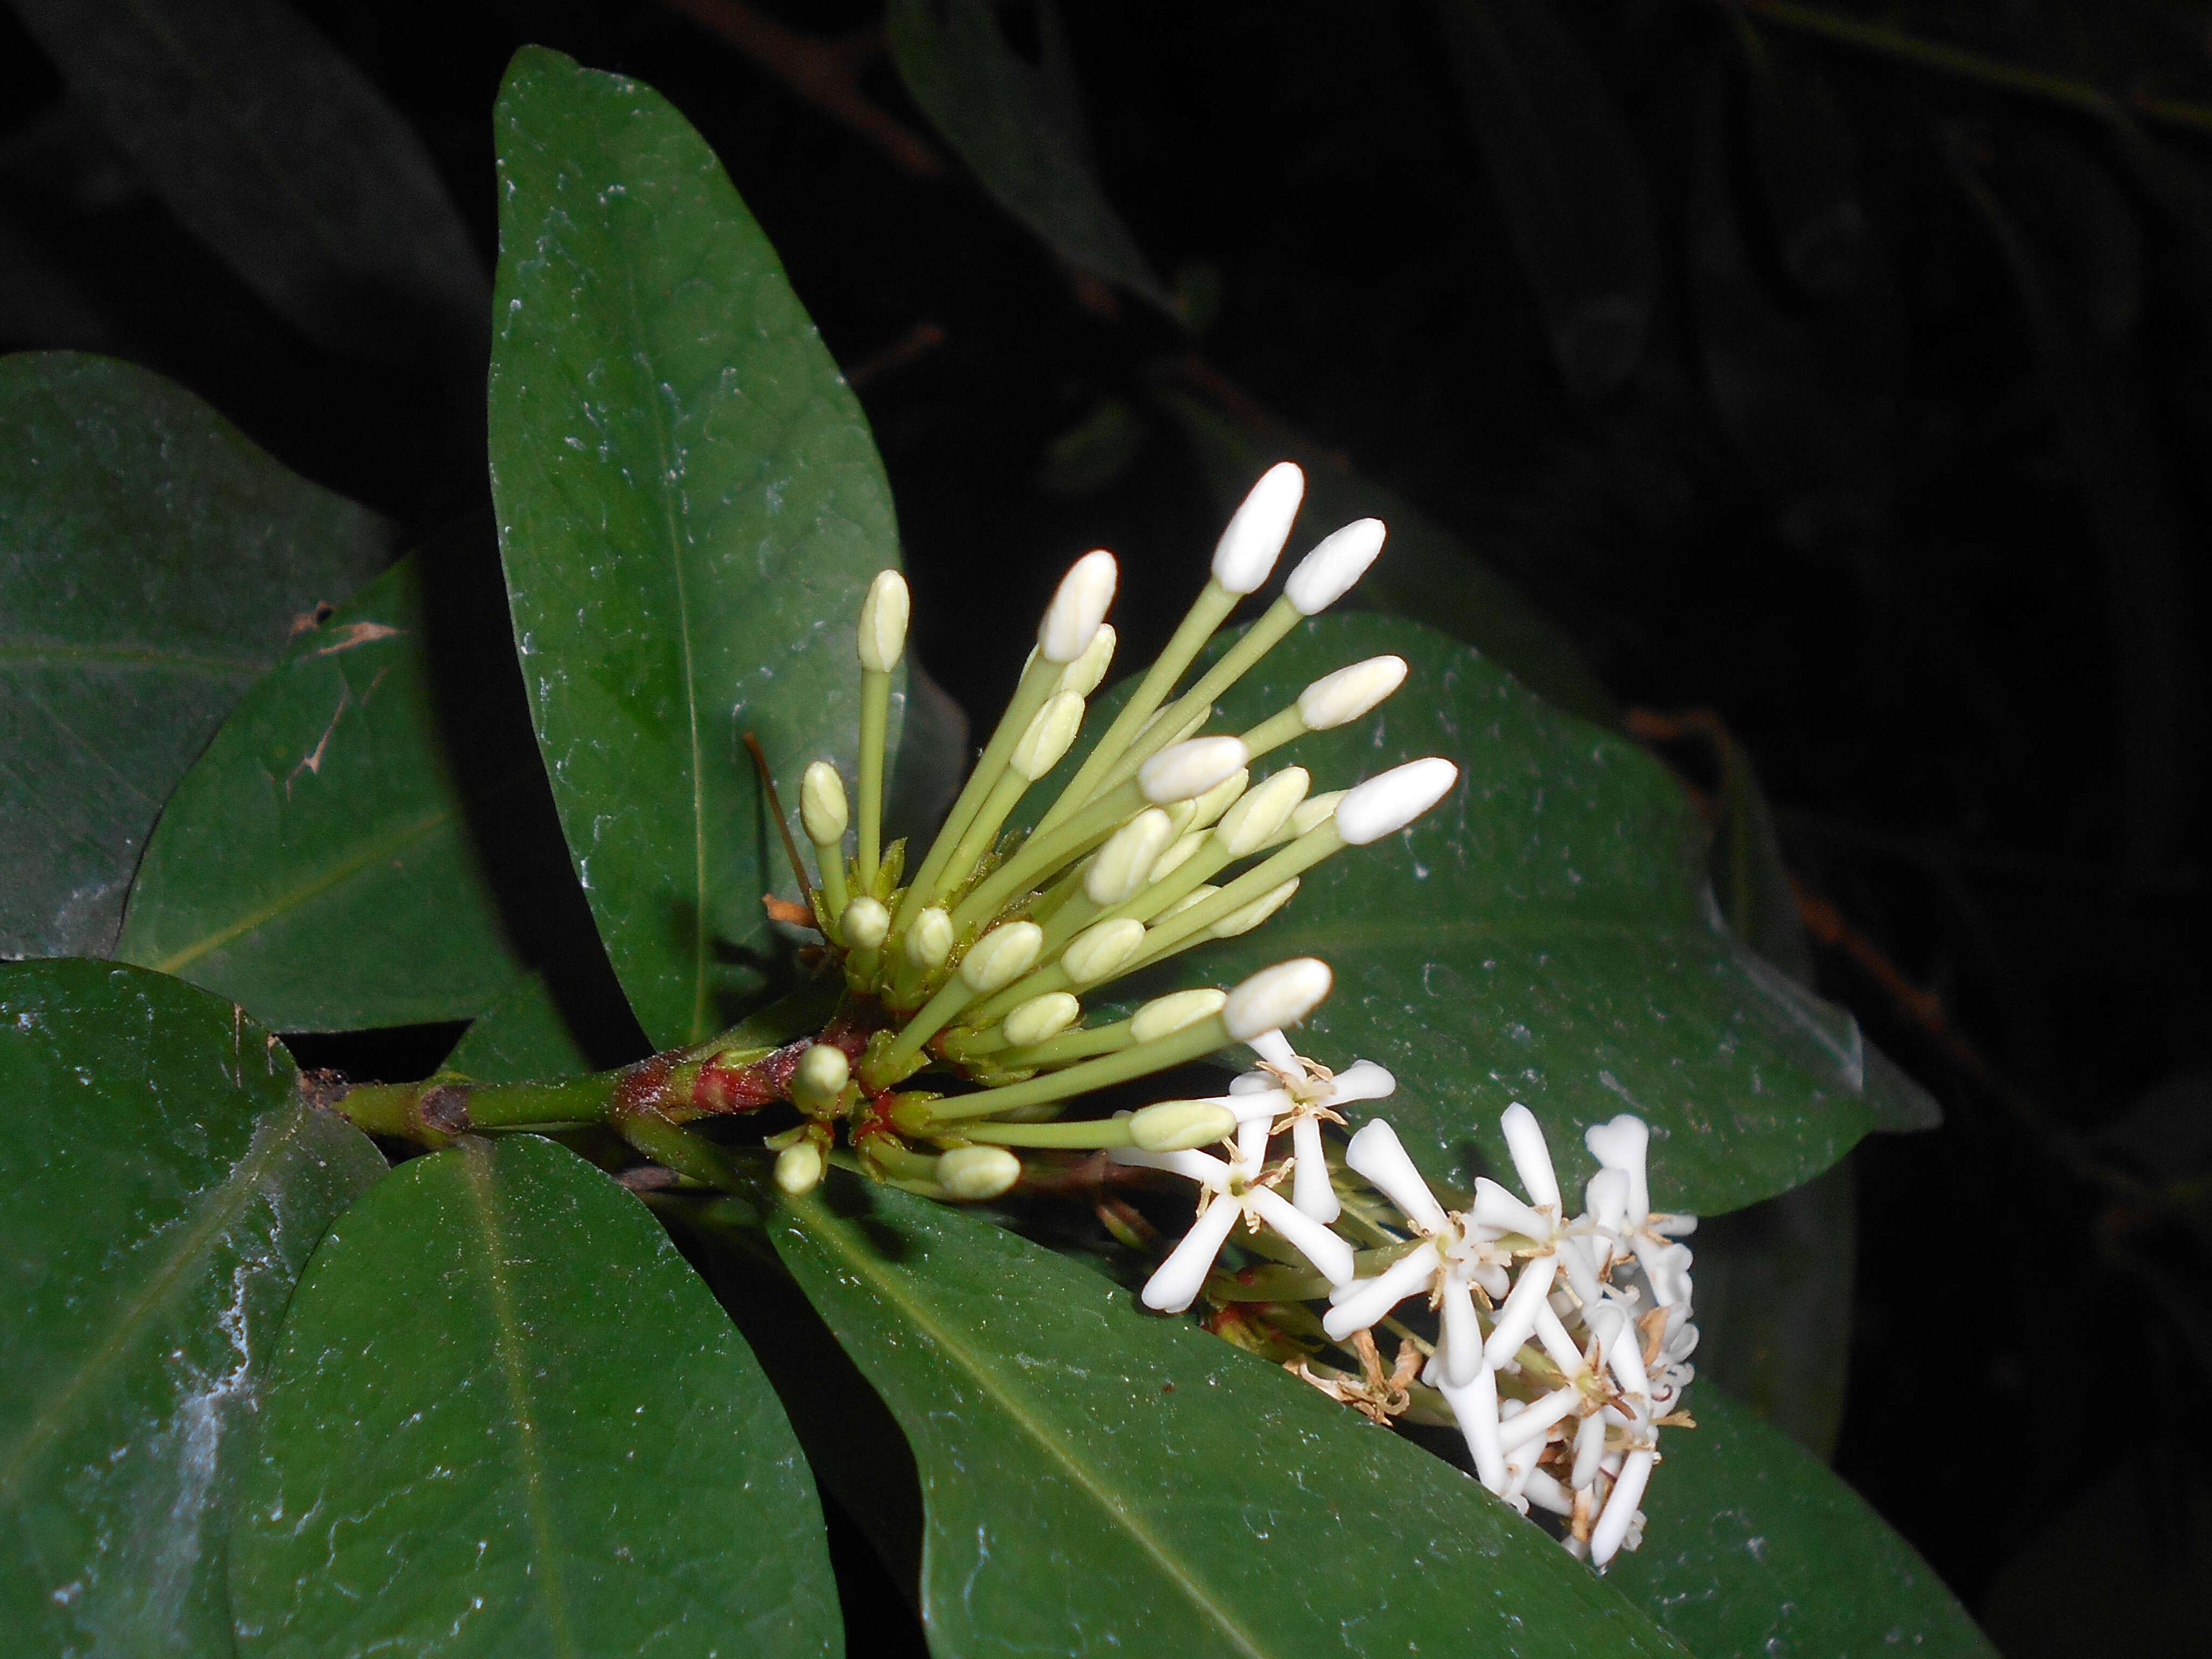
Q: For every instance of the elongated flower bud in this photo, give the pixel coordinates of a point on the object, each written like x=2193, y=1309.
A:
x=1163, y=1015
x=1276, y=997
x=1248, y=548
x=929, y=940
x=1196, y=897
x=1208, y=807
x=1094, y=952
x=1326, y=574
x=1317, y=809
x=1532, y=1157
x=977, y=1173
x=799, y=1169
x=1124, y=864
x=1245, y=917
x=1387, y=804
x=822, y=804
x=1248, y=826
x=1001, y=956
x=1047, y=737
x=1083, y=675
x=1071, y=620
x=1188, y=770
x=1339, y=699
x=1178, y=854
x=1181, y=1126
x=1041, y=1017
x=864, y=925
x=882, y=622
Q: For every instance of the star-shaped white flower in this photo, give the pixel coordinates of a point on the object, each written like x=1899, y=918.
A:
x=1289, y=1086
x=1622, y=1145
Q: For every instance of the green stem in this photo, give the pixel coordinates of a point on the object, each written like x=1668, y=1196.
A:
x=1256, y=643
x=1039, y=680
x=1192, y=1042
x=436, y=1112
x=1040, y=854
x=875, y=727
x=677, y=1148
x=1087, y=1135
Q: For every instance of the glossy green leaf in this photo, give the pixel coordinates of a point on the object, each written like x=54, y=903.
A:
x=689, y=509
x=521, y=1037
x=317, y=864
x=1567, y=178
x=161, y=1187
x=1546, y=935
x=1099, y=1479
x=1429, y=574
x=507, y=1419
x=1753, y=1548
x=152, y=563
x=1019, y=126
x=272, y=149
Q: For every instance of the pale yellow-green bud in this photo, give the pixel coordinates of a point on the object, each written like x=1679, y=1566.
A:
x=1097, y=951
x=1181, y=1126
x=1185, y=771
x=1163, y=1016
x=929, y=940
x=864, y=925
x=1083, y=676
x=882, y=622
x=819, y=1079
x=1001, y=957
x=1198, y=895
x=1124, y=864
x=1340, y=698
x=1177, y=855
x=1316, y=810
x=1217, y=801
x=799, y=1169
x=1245, y=918
x=822, y=804
x=1276, y=997
x=976, y=1173
x=1049, y=734
x=1041, y=1018
x=1248, y=826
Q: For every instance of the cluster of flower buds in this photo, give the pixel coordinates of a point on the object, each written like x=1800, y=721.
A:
x=973, y=965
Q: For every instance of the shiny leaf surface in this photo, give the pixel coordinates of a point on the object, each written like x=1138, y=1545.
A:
x=161, y=1187
x=690, y=507
x=507, y=1418
x=152, y=562
x=1099, y=1479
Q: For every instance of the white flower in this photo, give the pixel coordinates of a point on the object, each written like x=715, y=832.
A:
x=1621, y=1145
x=1293, y=1092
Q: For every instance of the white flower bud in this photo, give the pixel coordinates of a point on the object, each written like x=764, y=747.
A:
x=1248, y=826
x=1181, y=1126
x=1378, y=1154
x=1248, y=548
x=1083, y=676
x=1246, y=917
x=1276, y=997
x=1326, y=574
x=1094, y=952
x=1071, y=621
x=864, y=925
x=799, y=1169
x=1163, y=1016
x=1048, y=735
x=1385, y=805
x=882, y=622
x=1316, y=810
x=1197, y=895
x=1208, y=807
x=822, y=1073
x=976, y=1173
x=1177, y=855
x=822, y=804
x=1532, y=1158
x=929, y=939
x=1339, y=699
x=1124, y=865
x=1041, y=1018
x=1187, y=770
x=1001, y=956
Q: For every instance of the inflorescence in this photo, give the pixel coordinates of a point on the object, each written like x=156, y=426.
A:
x=1561, y=1343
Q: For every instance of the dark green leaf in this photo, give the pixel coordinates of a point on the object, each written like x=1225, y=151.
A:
x=1428, y=573
x=522, y=1037
x=1753, y=1549
x=690, y=507
x=507, y=1419
x=152, y=563
x=316, y=863
x=1095, y=1478
x=1567, y=179
x=279, y=154
x=160, y=1187
x=1546, y=935
x=1020, y=127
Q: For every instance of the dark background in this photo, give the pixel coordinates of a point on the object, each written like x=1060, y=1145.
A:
x=1905, y=481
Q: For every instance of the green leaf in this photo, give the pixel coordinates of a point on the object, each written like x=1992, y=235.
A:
x=1095, y=1477
x=152, y=563
x=160, y=1187
x=1428, y=573
x=271, y=147
x=521, y=1037
x=1020, y=127
x=507, y=1418
x=690, y=508
x=317, y=864
x=1753, y=1548
x=1546, y=935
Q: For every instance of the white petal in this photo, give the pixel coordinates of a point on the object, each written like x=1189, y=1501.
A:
x=1622, y=1145
x=1463, y=1337
x=1376, y=1297
x=1547, y=1493
x=1627, y=1493
x=1310, y=1190
x=1495, y=1208
x=1258, y=1103
x=1565, y=1354
x=1517, y=1318
x=1528, y=1428
x=1475, y=1406
x=1376, y=1153
x=1606, y=1198
x=1574, y=1262
x=1668, y=1269
x=1176, y=1285
x=1202, y=1167
x=1275, y=1048
x=1255, y=1082
x=1589, y=1447
x=1532, y=1158
x=1330, y=1255
x=1361, y=1081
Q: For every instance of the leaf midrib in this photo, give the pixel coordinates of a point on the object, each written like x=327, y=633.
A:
x=868, y=1264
